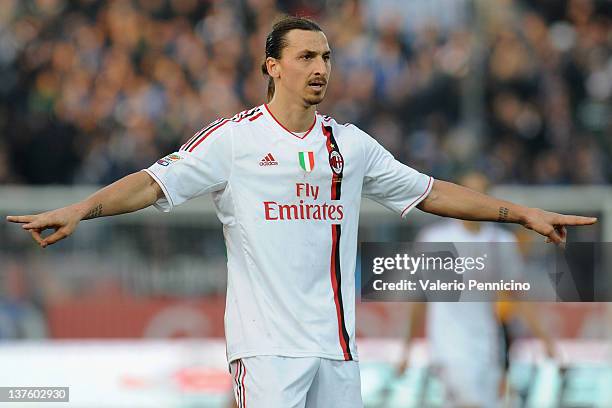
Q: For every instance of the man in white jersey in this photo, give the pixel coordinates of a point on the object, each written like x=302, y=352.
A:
x=287, y=185
x=464, y=337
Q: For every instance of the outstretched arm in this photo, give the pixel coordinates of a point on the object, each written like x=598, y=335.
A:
x=131, y=193
x=451, y=200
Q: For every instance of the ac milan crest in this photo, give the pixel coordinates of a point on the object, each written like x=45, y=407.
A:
x=336, y=161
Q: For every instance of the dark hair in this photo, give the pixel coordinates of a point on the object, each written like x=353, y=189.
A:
x=276, y=41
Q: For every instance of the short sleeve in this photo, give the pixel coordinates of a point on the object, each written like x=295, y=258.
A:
x=390, y=182
x=202, y=165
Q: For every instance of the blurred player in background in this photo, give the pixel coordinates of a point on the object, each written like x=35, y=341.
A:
x=287, y=185
x=467, y=340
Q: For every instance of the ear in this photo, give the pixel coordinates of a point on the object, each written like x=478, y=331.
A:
x=273, y=66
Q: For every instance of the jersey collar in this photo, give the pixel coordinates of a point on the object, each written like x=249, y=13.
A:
x=276, y=123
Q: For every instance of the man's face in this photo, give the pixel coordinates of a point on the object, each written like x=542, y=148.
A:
x=304, y=67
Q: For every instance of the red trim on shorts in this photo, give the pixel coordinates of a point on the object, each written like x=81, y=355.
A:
x=243, y=388
x=236, y=375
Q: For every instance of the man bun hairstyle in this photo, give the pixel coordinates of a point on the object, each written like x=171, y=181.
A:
x=276, y=41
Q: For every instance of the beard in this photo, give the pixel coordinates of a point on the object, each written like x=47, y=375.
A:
x=314, y=98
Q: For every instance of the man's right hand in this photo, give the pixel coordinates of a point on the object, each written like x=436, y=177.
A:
x=63, y=221
x=131, y=193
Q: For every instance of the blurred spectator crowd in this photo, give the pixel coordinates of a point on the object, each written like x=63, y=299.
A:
x=521, y=89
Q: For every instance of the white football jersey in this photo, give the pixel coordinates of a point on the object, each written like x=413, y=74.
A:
x=289, y=205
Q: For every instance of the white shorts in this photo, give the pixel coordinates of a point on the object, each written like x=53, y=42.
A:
x=290, y=382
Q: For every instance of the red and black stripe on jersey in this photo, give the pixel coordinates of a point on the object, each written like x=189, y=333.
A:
x=209, y=129
x=335, y=271
x=336, y=278
x=245, y=114
x=190, y=142
x=332, y=146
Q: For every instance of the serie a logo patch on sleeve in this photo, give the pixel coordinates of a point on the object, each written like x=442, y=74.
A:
x=169, y=159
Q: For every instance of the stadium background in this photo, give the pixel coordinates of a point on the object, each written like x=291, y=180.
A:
x=91, y=91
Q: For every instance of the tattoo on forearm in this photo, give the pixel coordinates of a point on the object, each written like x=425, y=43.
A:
x=503, y=214
x=94, y=212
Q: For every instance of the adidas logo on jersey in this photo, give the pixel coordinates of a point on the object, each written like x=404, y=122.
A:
x=268, y=161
